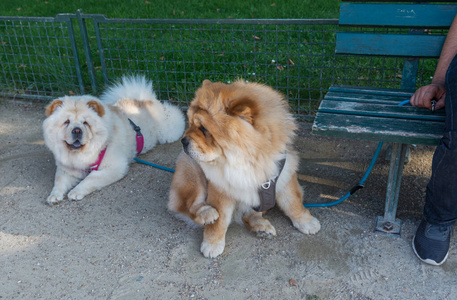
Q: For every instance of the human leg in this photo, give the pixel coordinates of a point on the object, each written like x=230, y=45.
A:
x=432, y=239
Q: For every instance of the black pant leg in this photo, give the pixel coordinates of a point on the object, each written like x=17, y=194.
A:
x=441, y=197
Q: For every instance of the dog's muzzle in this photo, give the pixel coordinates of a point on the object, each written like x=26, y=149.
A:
x=76, y=134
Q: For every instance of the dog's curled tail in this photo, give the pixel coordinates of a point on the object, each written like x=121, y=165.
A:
x=172, y=123
x=129, y=87
x=168, y=119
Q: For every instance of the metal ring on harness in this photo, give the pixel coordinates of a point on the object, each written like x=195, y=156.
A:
x=266, y=185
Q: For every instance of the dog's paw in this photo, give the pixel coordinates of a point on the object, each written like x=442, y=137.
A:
x=310, y=227
x=256, y=223
x=264, y=231
x=76, y=194
x=54, y=199
x=206, y=215
x=212, y=250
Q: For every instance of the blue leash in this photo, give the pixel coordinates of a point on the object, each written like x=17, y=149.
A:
x=154, y=165
x=352, y=191
x=403, y=102
x=361, y=182
x=356, y=187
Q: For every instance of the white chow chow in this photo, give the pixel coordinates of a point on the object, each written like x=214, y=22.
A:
x=94, y=140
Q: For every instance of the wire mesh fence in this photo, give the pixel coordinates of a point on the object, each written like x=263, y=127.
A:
x=47, y=58
x=38, y=57
x=289, y=56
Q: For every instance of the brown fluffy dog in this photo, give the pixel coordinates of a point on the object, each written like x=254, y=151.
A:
x=237, y=136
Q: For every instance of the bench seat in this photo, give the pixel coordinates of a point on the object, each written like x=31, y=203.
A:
x=375, y=114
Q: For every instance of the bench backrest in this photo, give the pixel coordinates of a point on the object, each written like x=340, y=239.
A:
x=418, y=42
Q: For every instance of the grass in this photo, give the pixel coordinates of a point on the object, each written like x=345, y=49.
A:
x=162, y=9
x=298, y=60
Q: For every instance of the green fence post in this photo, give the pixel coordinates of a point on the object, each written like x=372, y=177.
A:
x=71, y=32
x=101, y=52
x=87, y=51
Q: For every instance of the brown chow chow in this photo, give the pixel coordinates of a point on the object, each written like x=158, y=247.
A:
x=239, y=135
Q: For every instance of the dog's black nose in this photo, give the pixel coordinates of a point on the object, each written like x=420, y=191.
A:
x=185, y=142
x=76, y=132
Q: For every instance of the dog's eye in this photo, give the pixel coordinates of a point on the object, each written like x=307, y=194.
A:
x=66, y=122
x=203, y=130
x=85, y=123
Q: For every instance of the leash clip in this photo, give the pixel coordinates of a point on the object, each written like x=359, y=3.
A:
x=136, y=128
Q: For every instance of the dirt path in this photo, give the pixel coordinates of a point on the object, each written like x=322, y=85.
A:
x=121, y=242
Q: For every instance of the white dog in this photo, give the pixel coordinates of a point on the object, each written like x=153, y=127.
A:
x=94, y=140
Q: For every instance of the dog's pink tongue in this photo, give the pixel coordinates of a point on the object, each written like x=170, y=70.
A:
x=77, y=144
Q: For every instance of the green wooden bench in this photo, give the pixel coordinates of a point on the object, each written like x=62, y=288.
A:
x=374, y=113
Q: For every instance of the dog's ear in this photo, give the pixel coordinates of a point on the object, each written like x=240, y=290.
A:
x=52, y=107
x=244, y=108
x=206, y=82
x=97, y=107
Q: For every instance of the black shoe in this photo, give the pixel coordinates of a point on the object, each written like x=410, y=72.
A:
x=431, y=242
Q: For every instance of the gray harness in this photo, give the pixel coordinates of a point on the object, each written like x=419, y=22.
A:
x=267, y=191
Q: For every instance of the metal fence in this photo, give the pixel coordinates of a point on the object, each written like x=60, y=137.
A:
x=43, y=58
x=39, y=57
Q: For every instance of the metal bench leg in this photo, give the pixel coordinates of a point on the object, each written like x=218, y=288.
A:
x=388, y=223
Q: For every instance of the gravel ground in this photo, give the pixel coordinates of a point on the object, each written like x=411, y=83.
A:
x=122, y=243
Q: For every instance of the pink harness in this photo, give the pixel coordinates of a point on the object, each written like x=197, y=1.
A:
x=94, y=167
x=139, y=148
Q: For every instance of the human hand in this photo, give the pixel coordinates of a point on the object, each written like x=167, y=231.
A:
x=424, y=95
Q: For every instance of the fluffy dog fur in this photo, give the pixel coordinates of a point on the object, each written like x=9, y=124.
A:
x=237, y=135
x=78, y=128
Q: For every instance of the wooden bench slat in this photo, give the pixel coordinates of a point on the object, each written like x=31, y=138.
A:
x=361, y=99
x=407, y=45
x=378, y=129
x=380, y=110
x=379, y=99
x=401, y=15
x=371, y=90
x=367, y=94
